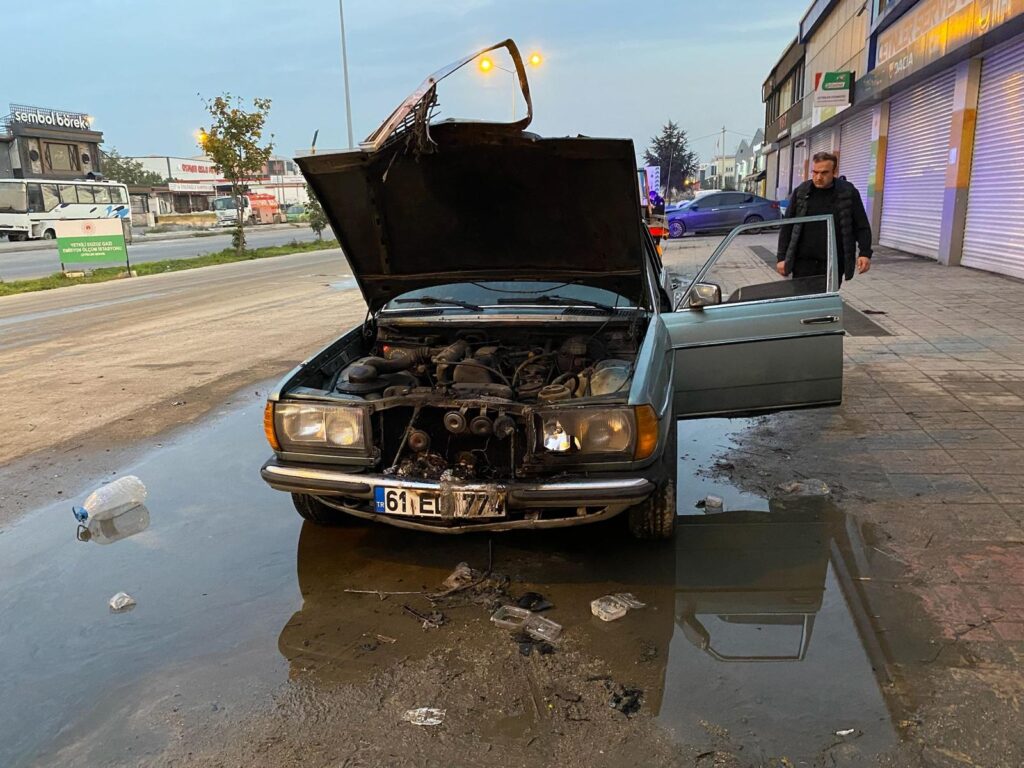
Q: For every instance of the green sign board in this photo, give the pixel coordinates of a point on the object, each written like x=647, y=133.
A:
x=91, y=242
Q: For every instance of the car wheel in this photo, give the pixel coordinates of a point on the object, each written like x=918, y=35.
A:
x=655, y=517
x=314, y=510
x=753, y=220
x=49, y=235
x=676, y=229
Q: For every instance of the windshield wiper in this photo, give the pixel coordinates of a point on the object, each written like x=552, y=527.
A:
x=550, y=298
x=434, y=301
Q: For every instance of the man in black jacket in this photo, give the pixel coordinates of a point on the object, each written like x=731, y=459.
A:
x=803, y=248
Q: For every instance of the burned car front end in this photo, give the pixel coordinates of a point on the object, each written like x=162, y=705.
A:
x=508, y=373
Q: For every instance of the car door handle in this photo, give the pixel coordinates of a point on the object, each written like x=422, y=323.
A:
x=824, y=320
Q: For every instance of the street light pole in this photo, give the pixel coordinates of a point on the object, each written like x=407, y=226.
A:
x=344, y=69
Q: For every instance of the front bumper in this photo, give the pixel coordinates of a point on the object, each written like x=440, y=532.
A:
x=592, y=499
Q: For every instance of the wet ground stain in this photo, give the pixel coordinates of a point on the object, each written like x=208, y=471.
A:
x=755, y=638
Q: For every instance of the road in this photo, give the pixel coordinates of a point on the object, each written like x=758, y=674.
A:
x=21, y=264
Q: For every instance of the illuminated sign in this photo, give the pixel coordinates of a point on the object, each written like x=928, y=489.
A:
x=50, y=118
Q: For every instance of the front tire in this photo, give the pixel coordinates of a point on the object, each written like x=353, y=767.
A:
x=654, y=518
x=676, y=229
x=318, y=513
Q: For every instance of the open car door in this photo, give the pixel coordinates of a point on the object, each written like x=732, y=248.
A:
x=745, y=340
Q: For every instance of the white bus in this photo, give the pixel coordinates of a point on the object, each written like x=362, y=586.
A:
x=29, y=207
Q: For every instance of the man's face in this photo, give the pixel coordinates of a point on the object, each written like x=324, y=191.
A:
x=823, y=173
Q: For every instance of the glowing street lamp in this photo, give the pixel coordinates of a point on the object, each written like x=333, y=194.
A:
x=487, y=65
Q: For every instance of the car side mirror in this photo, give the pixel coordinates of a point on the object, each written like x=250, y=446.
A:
x=704, y=295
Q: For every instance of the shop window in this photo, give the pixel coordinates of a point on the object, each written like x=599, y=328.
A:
x=85, y=195
x=102, y=194
x=50, y=197
x=67, y=194
x=117, y=195
x=61, y=157
x=35, y=199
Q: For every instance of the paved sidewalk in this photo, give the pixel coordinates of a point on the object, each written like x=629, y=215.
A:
x=927, y=452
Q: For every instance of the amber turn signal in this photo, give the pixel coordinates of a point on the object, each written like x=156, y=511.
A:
x=268, y=426
x=646, y=432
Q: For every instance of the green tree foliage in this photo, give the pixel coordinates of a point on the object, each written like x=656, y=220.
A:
x=317, y=217
x=671, y=151
x=127, y=171
x=233, y=142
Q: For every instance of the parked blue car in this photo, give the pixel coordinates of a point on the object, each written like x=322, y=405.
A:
x=720, y=212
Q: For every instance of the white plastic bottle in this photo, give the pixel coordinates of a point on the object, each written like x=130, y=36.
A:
x=111, y=499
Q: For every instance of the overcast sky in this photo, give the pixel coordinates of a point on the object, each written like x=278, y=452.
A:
x=611, y=68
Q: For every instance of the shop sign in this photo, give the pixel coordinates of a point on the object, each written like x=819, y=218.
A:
x=90, y=241
x=930, y=30
x=189, y=186
x=50, y=118
x=833, y=89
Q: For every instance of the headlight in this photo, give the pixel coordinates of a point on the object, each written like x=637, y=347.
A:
x=312, y=425
x=589, y=431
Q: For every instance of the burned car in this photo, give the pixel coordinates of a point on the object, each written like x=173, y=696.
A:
x=521, y=364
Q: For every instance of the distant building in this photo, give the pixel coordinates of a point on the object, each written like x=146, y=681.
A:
x=38, y=142
x=922, y=103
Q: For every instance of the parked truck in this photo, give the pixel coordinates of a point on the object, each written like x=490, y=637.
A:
x=257, y=208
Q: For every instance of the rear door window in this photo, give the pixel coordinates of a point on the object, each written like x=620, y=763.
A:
x=733, y=198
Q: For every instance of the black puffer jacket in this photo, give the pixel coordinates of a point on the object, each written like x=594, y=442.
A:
x=853, y=230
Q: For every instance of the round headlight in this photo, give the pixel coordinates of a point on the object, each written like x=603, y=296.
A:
x=606, y=433
x=344, y=427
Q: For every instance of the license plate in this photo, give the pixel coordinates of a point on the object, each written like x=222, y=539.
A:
x=403, y=501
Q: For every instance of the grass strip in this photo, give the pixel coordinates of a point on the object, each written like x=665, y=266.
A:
x=103, y=274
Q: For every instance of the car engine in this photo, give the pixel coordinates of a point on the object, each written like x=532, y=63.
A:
x=460, y=405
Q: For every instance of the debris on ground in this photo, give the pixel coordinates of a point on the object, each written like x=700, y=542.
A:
x=521, y=620
x=122, y=602
x=534, y=601
x=848, y=732
x=809, y=487
x=460, y=578
x=626, y=700
x=111, y=499
x=424, y=716
x=431, y=620
x=612, y=607
x=107, y=531
x=527, y=644
x=713, y=504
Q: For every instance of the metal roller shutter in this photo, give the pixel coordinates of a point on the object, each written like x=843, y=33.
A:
x=799, y=164
x=771, y=175
x=785, y=169
x=820, y=142
x=855, y=153
x=915, y=166
x=994, y=235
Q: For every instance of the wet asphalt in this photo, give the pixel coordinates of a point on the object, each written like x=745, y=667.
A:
x=758, y=612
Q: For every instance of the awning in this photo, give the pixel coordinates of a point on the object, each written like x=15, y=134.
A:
x=759, y=176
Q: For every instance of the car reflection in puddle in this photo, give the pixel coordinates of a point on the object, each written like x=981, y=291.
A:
x=754, y=634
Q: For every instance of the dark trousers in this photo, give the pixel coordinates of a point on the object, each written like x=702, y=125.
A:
x=814, y=268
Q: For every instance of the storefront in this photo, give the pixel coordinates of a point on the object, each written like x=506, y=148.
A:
x=915, y=168
x=855, y=155
x=37, y=142
x=994, y=232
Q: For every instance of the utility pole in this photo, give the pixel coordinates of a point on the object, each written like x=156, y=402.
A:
x=721, y=162
x=344, y=69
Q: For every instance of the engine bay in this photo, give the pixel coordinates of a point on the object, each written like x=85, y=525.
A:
x=459, y=403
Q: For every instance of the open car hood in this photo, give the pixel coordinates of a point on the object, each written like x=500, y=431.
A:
x=422, y=204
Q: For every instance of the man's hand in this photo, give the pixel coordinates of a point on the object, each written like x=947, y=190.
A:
x=780, y=267
x=863, y=264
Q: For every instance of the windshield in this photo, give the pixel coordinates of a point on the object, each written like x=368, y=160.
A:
x=511, y=294
x=227, y=203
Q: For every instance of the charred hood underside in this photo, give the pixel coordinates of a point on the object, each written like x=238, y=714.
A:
x=483, y=202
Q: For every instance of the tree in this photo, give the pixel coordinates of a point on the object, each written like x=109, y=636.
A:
x=317, y=217
x=671, y=151
x=127, y=171
x=233, y=144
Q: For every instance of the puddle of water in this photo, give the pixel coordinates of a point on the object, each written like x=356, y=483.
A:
x=700, y=443
x=753, y=621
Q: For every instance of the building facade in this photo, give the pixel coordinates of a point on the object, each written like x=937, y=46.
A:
x=928, y=128
x=37, y=142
